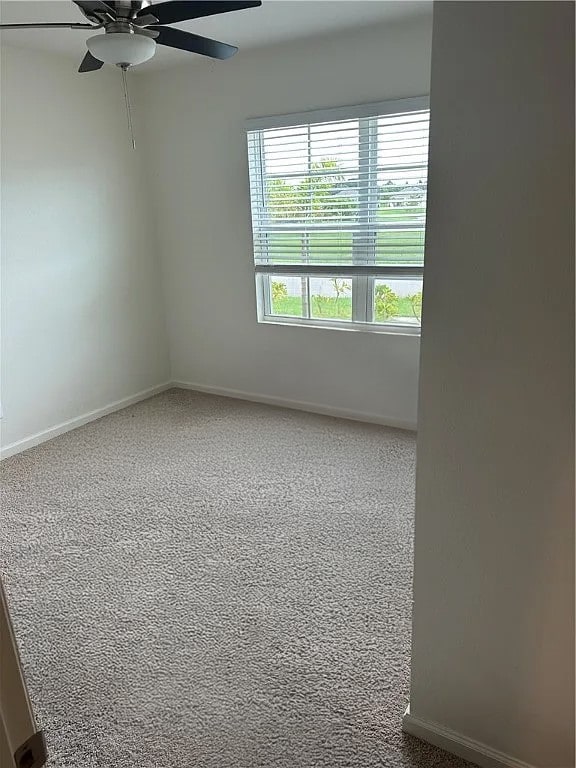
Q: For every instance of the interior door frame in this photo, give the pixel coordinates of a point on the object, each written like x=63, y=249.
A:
x=21, y=743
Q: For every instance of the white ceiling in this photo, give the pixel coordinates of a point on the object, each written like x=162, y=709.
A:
x=275, y=21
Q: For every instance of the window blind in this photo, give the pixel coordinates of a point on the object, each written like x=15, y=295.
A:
x=341, y=195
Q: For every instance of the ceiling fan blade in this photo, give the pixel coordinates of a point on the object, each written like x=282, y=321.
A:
x=146, y=32
x=96, y=9
x=64, y=25
x=146, y=20
x=186, y=41
x=182, y=10
x=90, y=63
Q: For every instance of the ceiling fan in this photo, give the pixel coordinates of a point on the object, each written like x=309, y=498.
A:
x=133, y=28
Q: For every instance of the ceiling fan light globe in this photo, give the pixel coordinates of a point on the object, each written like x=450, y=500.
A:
x=121, y=48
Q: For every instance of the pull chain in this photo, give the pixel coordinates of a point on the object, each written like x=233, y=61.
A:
x=124, y=67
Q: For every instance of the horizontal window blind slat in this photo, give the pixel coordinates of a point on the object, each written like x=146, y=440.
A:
x=294, y=168
x=286, y=212
x=297, y=227
x=351, y=201
x=373, y=270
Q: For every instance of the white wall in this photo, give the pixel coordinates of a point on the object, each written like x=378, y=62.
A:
x=195, y=125
x=493, y=634
x=82, y=321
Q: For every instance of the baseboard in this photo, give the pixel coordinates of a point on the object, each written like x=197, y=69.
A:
x=41, y=437
x=298, y=405
x=451, y=741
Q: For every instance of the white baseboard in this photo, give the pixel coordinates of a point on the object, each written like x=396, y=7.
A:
x=67, y=426
x=473, y=751
x=41, y=437
x=298, y=405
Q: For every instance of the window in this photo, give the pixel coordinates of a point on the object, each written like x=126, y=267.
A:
x=338, y=215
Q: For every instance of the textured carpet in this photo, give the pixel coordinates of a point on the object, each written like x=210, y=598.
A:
x=209, y=583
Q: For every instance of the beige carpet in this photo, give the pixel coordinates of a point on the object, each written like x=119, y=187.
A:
x=200, y=582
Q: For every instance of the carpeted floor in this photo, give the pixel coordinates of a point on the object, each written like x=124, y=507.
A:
x=199, y=582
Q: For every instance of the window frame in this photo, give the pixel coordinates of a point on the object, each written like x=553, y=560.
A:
x=363, y=271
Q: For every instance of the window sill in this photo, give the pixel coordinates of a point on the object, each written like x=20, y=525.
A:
x=390, y=330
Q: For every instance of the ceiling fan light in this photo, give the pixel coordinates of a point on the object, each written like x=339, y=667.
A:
x=121, y=48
